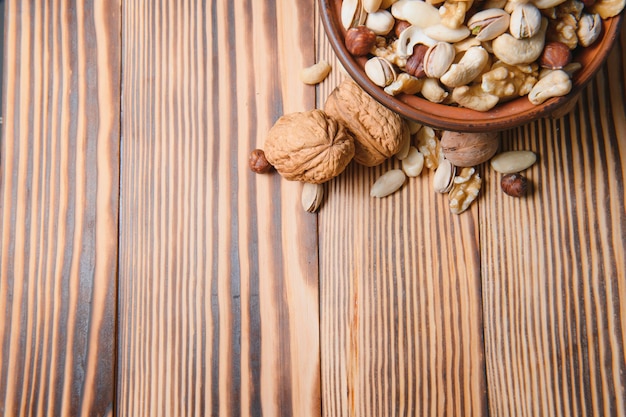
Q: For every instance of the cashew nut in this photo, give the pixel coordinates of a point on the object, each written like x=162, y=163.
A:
x=555, y=84
x=432, y=91
x=489, y=24
x=418, y=13
x=474, y=98
x=514, y=51
x=404, y=83
x=547, y=4
x=410, y=37
x=443, y=33
x=316, y=73
x=468, y=68
x=589, y=29
x=608, y=8
x=380, y=22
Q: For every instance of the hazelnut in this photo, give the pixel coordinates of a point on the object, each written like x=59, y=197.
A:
x=258, y=163
x=415, y=63
x=399, y=26
x=555, y=55
x=360, y=40
x=514, y=185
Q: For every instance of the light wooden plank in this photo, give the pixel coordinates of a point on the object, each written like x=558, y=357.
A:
x=218, y=266
x=401, y=318
x=554, y=285
x=59, y=189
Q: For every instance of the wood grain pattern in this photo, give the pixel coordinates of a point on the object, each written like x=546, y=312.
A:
x=59, y=190
x=401, y=320
x=218, y=266
x=400, y=303
x=401, y=331
x=233, y=300
x=554, y=285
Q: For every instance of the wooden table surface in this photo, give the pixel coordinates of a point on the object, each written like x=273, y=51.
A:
x=146, y=271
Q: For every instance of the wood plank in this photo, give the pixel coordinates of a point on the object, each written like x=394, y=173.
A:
x=218, y=266
x=554, y=287
x=400, y=302
x=59, y=189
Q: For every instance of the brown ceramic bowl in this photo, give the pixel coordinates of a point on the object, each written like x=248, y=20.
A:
x=503, y=116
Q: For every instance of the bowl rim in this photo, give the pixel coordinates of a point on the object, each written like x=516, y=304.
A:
x=447, y=117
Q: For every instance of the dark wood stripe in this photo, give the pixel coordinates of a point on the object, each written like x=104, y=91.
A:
x=60, y=185
x=372, y=306
x=198, y=228
x=559, y=350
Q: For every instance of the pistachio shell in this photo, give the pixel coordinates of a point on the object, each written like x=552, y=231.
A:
x=380, y=71
x=352, y=13
x=312, y=196
x=525, y=21
x=443, y=179
x=438, y=59
x=489, y=24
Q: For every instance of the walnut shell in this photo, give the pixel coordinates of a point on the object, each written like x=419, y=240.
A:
x=377, y=130
x=309, y=146
x=469, y=149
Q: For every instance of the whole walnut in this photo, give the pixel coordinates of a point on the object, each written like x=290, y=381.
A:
x=466, y=149
x=377, y=130
x=309, y=146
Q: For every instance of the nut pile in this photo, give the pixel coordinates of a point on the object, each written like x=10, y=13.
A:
x=317, y=145
x=473, y=53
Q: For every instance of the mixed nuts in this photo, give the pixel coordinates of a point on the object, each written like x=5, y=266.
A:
x=315, y=146
x=473, y=54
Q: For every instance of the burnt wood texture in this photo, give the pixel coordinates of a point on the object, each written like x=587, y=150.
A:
x=59, y=168
x=146, y=271
x=218, y=265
